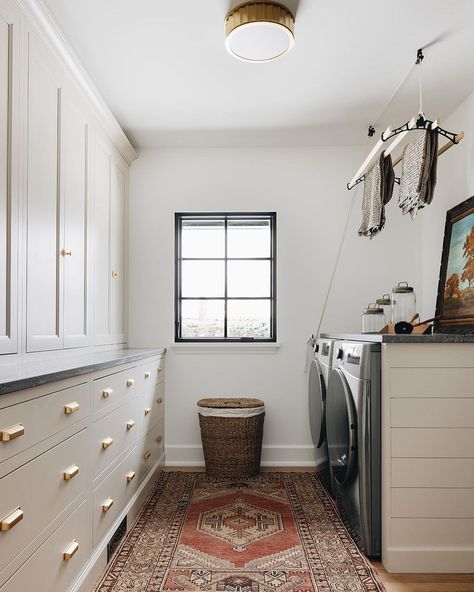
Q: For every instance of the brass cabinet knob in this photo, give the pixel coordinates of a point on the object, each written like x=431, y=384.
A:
x=130, y=476
x=66, y=253
x=130, y=382
x=130, y=424
x=107, y=392
x=147, y=455
x=12, y=432
x=71, y=408
x=107, y=442
x=109, y=502
x=147, y=410
x=159, y=369
x=115, y=274
x=71, y=551
x=71, y=472
x=159, y=439
x=147, y=374
x=159, y=401
x=9, y=521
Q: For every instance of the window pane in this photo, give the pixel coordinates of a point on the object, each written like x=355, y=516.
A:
x=248, y=318
x=203, y=238
x=248, y=238
x=202, y=318
x=203, y=278
x=248, y=278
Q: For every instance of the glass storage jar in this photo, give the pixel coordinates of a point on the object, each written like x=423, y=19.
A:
x=373, y=319
x=403, y=302
x=386, y=304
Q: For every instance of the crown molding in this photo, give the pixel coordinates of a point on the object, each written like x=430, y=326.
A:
x=40, y=16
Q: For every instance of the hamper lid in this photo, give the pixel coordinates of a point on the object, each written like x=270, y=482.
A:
x=230, y=403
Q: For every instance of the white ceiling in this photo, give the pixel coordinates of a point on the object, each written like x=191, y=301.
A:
x=163, y=69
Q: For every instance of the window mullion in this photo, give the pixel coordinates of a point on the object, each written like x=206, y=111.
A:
x=225, y=278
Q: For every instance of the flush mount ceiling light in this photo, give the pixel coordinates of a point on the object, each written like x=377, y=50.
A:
x=259, y=31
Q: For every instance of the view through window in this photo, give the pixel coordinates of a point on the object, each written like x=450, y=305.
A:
x=225, y=277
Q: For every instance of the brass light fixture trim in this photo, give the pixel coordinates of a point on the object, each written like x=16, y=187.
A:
x=259, y=31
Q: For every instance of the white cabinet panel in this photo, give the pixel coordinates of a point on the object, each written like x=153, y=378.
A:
x=9, y=115
x=119, y=204
x=74, y=188
x=44, y=288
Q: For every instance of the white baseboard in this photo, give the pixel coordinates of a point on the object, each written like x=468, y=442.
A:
x=428, y=559
x=272, y=456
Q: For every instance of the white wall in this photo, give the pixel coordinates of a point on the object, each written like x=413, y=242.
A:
x=306, y=186
x=455, y=184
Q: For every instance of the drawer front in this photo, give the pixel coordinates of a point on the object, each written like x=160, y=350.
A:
x=151, y=407
x=151, y=372
x=52, y=567
x=112, y=434
x=151, y=448
x=39, y=491
x=110, y=497
x=26, y=424
x=113, y=388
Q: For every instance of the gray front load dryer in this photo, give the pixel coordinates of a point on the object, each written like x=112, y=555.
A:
x=353, y=434
x=317, y=387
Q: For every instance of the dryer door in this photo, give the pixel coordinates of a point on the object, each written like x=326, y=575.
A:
x=341, y=426
x=317, y=403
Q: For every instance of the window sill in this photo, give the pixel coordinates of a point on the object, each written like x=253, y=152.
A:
x=226, y=348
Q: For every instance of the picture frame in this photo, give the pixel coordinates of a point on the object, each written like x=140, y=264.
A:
x=455, y=300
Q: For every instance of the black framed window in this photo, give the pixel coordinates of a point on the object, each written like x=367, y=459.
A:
x=225, y=277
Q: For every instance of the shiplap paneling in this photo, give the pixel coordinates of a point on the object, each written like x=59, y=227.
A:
x=432, y=472
x=433, y=442
x=432, y=503
x=432, y=413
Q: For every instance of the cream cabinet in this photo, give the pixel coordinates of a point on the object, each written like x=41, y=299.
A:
x=9, y=138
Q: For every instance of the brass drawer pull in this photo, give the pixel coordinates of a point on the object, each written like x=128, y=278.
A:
x=147, y=455
x=71, y=472
x=66, y=253
x=147, y=374
x=159, y=369
x=71, y=408
x=147, y=410
x=115, y=274
x=9, y=521
x=12, y=432
x=130, y=476
x=130, y=424
x=107, y=392
x=130, y=382
x=71, y=551
x=109, y=502
x=159, y=439
x=159, y=401
x=107, y=442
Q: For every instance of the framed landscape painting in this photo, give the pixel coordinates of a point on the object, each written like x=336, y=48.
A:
x=455, y=303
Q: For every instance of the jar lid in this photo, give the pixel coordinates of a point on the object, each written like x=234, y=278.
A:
x=384, y=300
x=373, y=309
x=402, y=288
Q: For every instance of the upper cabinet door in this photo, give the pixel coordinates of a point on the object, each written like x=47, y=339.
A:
x=44, y=260
x=9, y=126
x=118, y=255
x=102, y=240
x=74, y=248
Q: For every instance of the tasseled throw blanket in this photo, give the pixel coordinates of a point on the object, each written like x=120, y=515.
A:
x=378, y=189
x=419, y=166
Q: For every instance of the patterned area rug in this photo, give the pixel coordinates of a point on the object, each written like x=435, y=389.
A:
x=278, y=532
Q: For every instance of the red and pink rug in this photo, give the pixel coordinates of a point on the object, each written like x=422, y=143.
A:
x=278, y=532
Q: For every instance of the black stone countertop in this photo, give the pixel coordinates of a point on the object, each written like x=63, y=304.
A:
x=377, y=338
x=24, y=375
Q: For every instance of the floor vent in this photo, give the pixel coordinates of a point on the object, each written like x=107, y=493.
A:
x=116, y=538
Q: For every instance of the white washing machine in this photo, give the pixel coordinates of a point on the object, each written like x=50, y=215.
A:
x=353, y=416
x=317, y=387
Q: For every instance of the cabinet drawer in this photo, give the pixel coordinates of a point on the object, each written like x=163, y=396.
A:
x=110, y=497
x=40, y=491
x=151, y=372
x=112, y=434
x=151, y=407
x=151, y=448
x=48, y=568
x=114, y=387
x=26, y=424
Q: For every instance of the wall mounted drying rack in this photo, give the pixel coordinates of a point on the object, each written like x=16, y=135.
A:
x=399, y=134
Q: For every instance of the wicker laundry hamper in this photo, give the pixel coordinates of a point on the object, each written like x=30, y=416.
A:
x=232, y=432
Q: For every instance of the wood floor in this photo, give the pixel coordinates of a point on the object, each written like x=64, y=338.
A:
x=394, y=582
